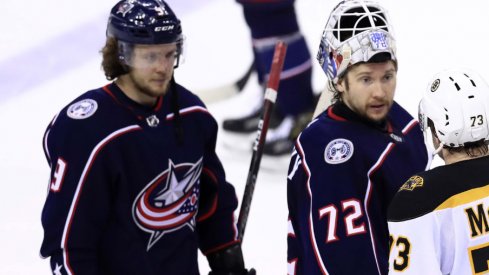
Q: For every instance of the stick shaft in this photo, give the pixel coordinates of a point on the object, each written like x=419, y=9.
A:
x=270, y=96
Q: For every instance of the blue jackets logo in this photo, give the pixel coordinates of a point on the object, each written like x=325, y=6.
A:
x=338, y=151
x=169, y=202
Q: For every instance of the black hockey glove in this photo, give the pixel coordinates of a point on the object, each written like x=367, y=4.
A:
x=228, y=261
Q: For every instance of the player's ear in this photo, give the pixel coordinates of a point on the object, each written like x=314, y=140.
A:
x=341, y=85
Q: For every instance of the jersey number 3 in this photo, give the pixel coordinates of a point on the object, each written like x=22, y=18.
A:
x=404, y=247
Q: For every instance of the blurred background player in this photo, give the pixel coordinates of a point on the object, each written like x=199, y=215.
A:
x=351, y=159
x=136, y=186
x=449, y=202
x=270, y=21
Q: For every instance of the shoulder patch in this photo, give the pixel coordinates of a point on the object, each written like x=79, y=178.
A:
x=338, y=151
x=412, y=183
x=82, y=109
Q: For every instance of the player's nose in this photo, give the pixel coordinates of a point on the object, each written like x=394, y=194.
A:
x=379, y=89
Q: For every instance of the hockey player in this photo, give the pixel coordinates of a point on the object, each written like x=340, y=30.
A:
x=269, y=22
x=136, y=186
x=351, y=159
x=449, y=203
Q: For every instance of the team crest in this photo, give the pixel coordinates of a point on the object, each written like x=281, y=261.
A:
x=82, y=109
x=379, y=41
x=338, y=151
x=435, y=85
x=169, y=202
x=412, y=183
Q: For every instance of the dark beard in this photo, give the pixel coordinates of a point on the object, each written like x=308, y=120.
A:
x=147, y=91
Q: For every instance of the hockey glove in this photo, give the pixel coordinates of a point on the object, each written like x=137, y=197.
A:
x=228, y=261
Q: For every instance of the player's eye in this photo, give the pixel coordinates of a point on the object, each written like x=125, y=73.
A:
x=388, y=76
x=365, y=79
x=150, y=57
x=172, y=54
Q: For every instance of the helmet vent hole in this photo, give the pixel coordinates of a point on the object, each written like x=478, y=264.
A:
x=456, y=84
x=471, y=96
x=471, y=81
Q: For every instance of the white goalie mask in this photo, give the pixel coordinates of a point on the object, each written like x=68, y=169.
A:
x=457, y=102
x=356, y=31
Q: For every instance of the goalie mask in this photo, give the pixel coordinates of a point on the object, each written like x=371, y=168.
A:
x=146, y=23
x=356, y=31
x=457, y=102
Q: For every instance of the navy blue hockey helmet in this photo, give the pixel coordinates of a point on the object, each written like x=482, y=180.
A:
x=144, y=22
x=147, y=22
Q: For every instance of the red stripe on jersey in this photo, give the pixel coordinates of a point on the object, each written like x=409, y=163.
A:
x=334, y=116
x=372, y=170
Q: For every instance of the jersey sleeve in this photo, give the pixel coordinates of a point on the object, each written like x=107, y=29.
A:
x=216, y=220
x=415, y=246
x=328, y=216
x=78, y=204
x=422, y=238
x=293, y=242
x=71, y=228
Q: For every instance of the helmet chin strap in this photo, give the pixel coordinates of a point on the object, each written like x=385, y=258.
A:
x=437, y=150
x=428, y=140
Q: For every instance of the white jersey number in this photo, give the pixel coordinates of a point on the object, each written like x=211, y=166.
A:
x=58, y=175
x=350, y=218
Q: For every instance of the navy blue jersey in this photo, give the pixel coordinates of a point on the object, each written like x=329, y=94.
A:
x=126, y=196
x=342, y=177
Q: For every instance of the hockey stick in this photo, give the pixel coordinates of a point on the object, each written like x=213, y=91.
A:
x=323, y=102
x=270, y=97
x=215, y=94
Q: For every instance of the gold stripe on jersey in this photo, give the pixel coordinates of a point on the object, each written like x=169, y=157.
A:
x=465, y=197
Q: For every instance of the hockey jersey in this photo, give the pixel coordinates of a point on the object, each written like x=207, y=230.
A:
x=438, y=221
x=126, y=196
x=342, y=176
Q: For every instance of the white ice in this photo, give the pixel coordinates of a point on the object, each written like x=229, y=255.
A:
x=49, y=55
